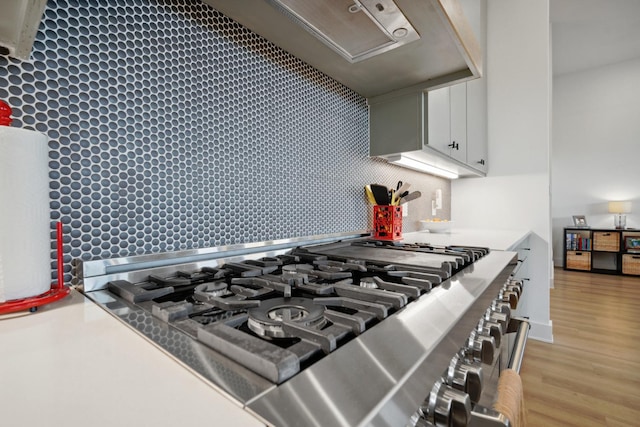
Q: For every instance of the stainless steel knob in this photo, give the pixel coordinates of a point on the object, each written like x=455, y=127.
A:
x=497, y=317
x=513, y=301
x=513, y=288
x=519, y=284
x=501, y=307
x=465, y=376
x=491, y=328
x=481, y=347
x=448, y=407
x=509, y=297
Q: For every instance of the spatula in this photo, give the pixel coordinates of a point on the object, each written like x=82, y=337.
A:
x=409, y=197
x=381, y=194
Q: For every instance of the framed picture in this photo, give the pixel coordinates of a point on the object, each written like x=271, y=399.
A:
x=579, y=221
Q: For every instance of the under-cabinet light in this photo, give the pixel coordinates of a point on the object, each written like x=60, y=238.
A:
x=414, y=164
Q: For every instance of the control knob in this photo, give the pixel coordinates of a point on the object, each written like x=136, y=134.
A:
x=447, y=407
x=465, y=376
x=481, y=347
x=509, y=297
x=513, y=288
x=501, y=307
x=497, y=317
x=491, y=328
x=516, y=284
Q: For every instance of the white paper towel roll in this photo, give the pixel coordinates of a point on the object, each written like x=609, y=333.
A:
x=25, y=262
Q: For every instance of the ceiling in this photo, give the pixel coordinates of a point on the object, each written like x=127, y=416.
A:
x=593, y=33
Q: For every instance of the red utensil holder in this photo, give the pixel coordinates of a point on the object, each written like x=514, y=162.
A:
x=387, y=222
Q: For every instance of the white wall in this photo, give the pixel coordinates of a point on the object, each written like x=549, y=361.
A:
x=515, y=194
x=596, y=146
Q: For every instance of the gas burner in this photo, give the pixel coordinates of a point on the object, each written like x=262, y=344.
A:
x=298, y=268
x=205, y=291
x=268, y=319
x=368, y=282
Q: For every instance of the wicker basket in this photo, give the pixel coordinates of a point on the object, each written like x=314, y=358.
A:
x=631, y=264
x=579, y=260
x=608, y=241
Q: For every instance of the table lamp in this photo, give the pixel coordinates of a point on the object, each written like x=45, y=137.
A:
x=620, y=209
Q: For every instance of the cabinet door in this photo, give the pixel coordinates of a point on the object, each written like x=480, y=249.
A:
x=397, y=125
x=447, y=121
x=477, y=124
x=458, y=108
x=439, y=120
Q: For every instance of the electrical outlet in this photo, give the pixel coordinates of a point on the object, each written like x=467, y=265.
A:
x=438, y=199
x=433, y=208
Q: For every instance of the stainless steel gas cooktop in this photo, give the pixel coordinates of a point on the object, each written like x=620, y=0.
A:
x=348, y=332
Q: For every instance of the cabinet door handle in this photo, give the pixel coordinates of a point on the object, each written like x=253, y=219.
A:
x=606, y=234
x=481, y=161
x=454, y=145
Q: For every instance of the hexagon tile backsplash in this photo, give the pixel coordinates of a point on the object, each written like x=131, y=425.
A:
x=173, y=127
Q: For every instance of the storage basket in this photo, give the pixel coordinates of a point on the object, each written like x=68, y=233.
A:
x=579, y=260
x=606, y=241
x=387, y=222
x=631, y=264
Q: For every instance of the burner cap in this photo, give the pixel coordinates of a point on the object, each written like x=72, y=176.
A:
x=368, y=282
x=205, y=291
x=266, y=320
x=299, y=268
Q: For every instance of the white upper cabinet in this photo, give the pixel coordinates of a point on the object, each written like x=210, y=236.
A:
x=447, y=121
x=477, y=124
x=444, y=128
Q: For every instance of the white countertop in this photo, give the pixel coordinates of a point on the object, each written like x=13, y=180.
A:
x=498, y=240
x=73, y=364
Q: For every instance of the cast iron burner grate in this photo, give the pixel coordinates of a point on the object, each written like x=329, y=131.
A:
x=277, y=315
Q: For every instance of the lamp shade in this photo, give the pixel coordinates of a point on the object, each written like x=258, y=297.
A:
x=620, y=207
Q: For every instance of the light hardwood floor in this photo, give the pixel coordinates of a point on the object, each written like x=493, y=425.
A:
x=590, y=375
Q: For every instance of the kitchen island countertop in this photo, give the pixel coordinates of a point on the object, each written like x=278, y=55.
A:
x=71, y=363
x=498, y=240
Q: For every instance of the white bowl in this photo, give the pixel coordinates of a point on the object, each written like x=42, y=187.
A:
x=443, y=226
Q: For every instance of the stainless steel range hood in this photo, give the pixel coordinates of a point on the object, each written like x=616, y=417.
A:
x=357, y=30
x=371, y=46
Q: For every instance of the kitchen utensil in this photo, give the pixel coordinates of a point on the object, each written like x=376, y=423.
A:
x=369, y=194
x=404, y=187
x=409, y=197
x=401, y=191
x=381, y=194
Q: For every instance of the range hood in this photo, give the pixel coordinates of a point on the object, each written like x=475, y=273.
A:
x=356, y=30
x=371, y=46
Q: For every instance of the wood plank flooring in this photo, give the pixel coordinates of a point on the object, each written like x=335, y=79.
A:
x=590, y=375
